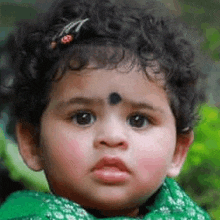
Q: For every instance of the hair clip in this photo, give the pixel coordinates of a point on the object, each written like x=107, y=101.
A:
x=65, y=36
x=67, y=39
x=186, y=129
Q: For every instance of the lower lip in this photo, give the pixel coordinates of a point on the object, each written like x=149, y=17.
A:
x=111, y=175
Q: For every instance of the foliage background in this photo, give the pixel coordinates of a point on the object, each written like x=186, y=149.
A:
x=200, y=176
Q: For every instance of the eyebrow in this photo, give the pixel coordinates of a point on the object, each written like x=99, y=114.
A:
x=79, y=101
x=93, y=101
x=144, y=105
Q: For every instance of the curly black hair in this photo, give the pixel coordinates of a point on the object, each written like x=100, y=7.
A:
x=135, y=33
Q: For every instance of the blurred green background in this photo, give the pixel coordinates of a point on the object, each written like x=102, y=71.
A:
x=200, y=176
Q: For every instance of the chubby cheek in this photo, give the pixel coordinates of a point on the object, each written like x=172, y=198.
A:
x=151, y=168
x=154, y=157
x=65, y=157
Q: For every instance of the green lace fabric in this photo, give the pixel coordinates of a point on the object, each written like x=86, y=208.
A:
x=170, y=204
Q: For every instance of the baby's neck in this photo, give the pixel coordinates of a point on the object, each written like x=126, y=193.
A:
x=111, y=213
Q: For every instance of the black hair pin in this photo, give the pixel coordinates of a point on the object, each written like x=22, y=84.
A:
x=68, y=33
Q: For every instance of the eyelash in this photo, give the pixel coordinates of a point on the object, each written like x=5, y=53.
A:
x=86, y=122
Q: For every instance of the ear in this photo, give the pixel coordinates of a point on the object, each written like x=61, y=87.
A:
x=28, y=145
x=182, y=146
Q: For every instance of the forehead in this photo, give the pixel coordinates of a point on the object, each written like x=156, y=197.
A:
x=109, y=86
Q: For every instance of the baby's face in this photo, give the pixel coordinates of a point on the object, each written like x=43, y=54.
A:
x=108, y=140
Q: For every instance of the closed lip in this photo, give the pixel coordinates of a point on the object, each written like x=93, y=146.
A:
x=111, y=162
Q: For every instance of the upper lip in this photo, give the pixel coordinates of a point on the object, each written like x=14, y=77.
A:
x=111, y=162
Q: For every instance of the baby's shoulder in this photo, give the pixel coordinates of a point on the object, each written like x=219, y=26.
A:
x=173, y=203
x=22, y=205
x=26, y=205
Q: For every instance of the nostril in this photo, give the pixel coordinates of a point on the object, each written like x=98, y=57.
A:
x=111, y=144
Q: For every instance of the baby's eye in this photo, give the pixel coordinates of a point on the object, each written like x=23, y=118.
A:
x=138, y=121
x=84, y=118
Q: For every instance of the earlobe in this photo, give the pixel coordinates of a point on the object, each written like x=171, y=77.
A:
x=182, y=146
x=28, y=145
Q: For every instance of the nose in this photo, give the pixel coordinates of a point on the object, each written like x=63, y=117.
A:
x=112, y=133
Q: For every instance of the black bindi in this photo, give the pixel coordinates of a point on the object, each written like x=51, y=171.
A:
x=114, y=98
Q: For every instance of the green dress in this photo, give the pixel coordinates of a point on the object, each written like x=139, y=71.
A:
x=170, y=203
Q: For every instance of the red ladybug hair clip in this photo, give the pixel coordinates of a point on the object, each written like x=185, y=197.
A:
x=68, y=33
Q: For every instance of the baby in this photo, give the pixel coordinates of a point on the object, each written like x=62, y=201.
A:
x=105, y=94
